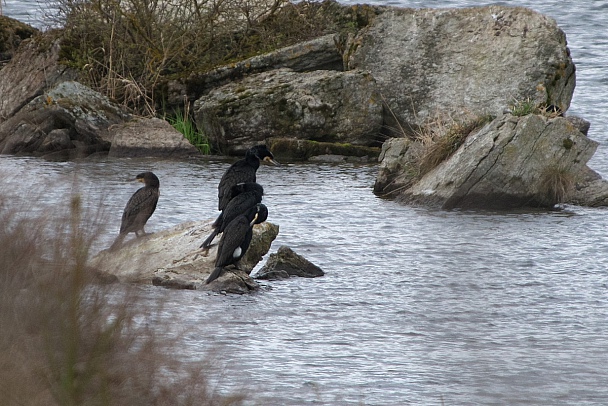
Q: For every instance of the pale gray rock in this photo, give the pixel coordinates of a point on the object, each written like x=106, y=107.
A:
x=286, y=263
x=451, y=62
x=149, y=137
x=579, y=123
x=591, y=191
x=172, y=258
x=33, y=69
x=324, y=106
x=397, y=166
x=69, y=106
x=507, y=164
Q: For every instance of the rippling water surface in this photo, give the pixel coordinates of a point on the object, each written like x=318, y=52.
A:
x=417, y=306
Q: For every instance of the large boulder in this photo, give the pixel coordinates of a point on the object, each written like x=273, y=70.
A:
x=33, y=69
x=172, y=258
x=317, y=54
x=145, y=137
x=68, y=117
x=430, y=62
x=322, y=105
x=591, y=191
x=532, y=161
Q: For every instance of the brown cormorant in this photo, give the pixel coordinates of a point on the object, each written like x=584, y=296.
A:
x=244, y=196
x=139, y=208
x=236, y=239
x=242, y=171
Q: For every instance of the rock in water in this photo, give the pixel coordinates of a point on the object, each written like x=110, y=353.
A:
x=512, y=162
x=286, y=263
x=172, y=258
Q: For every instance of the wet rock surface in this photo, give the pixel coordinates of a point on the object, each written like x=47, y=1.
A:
x=285, y=263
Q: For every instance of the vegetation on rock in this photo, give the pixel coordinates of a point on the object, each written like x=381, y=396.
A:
x=557, y=184
x=182, y=122
x=520, y=108
x=12, y=32
x=130, y=49
x=443, y=138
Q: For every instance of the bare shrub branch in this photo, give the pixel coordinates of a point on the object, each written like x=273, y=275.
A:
x=69, y=339
x=127, y=45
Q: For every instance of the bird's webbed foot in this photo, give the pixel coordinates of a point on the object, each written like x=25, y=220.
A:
x=140, y=233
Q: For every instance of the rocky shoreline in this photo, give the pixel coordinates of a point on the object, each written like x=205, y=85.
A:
x=382, y=92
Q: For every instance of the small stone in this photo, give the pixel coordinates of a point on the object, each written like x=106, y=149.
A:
x=286, y=263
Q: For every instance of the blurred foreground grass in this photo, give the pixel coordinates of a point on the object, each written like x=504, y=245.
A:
x=66, y=338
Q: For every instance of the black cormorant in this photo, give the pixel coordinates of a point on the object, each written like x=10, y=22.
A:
x=244, y=196
x=236, y=239
x=139, y=208
x=242, y=171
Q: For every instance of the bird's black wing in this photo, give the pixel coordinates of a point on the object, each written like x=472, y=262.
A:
x=139, y=208
x=238, y=172
x=237, y=206
x=246, y=242
x=232, y=238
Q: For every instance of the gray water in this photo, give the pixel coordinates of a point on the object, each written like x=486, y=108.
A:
x=417, y=306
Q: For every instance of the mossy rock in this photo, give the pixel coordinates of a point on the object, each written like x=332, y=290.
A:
x=290, y=149
x=12, y=33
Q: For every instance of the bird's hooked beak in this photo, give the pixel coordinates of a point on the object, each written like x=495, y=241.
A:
x=269, y=159
x=254, y=219
x=140, y=180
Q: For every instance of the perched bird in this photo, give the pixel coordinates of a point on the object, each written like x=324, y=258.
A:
x=242, y=171
x=236, y=239
x=139, y=207
x=244, y=196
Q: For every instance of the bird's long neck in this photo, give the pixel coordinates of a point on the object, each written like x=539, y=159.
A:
x=152, y=183
x=252, y=159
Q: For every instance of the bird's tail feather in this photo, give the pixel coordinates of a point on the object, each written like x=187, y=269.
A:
x=209, y=239
x=117, y=242
x=215, y=274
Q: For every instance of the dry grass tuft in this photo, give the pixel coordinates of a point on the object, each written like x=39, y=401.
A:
x=431, y=143
x=443, y=137
x=524, y=107
x=557, y=185
x=68, y=339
